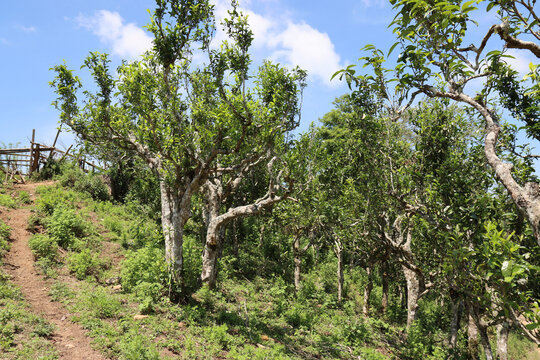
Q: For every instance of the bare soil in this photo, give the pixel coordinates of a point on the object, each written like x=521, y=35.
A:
x=69, y=338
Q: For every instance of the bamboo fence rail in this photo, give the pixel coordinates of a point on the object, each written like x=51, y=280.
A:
x=20, y=162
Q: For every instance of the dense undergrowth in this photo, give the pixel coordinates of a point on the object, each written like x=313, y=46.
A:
x=106, y=264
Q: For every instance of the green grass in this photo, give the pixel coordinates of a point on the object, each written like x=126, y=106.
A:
x=260, y=318
x=23, y=335
x=8, y=201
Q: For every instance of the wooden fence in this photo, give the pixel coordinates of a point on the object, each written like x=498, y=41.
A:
x=18, y=163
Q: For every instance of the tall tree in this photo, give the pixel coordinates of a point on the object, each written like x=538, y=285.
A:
x=180, y=117
x=436, y=62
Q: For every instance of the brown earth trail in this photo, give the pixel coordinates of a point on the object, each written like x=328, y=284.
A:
x=69, y=338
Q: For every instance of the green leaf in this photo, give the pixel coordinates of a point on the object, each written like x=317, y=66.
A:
x=392, y=48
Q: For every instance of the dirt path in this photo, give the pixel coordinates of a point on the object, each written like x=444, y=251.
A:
x=69, y=338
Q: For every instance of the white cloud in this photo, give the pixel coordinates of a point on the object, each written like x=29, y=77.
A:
x=280, y=39
x=374, y=3
x=28, y=29
x=4, y=41
x=521, y=60
x=291, y=43
x=302, y=45
x=126, y=40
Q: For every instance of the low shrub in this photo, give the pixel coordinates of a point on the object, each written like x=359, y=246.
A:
x=93, y=185
x=53, y=197
x=298, y=316
x=137, y=347
x=149, y=294
x=43, y=328
x=5, y=233
x=8, y=201
x=34, y=222
x=84, y=264
x=98, y=303
x=43, y=246
x=145, y=265
x=65, y=226
x=51, y=168
x=24, y=198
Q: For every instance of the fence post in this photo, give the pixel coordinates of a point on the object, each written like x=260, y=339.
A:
x=35, y=165
x=54, y=145
x=32, y=155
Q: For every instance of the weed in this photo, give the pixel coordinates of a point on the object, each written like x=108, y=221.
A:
x=137, y=347
x=47, y=267
x=146, y=265
x=298, y=316
x=5, y=233
x=34, y=222
x=93, y=185
x=218, y=335
x=52, y=197
x=60, y=291
x=43, y=247
x=65, y=226
x=24, y=198
x=84, y=264
x=371, y=354
x=43, y=328
x=8, y=201
x=103, y=304
x=90, y=184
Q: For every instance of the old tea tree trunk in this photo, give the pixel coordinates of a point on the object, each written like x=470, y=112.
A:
x=214, y=195
x=175, y=212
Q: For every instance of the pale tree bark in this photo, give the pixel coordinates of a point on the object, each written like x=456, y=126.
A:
x=413, y=294
x=367, y=291
x=297, y=263
x=298, y=251
x=503, y=331
x=457, y=309
x=174, y=215
x=384, y=282
x=414, y=277
x=338, y=250
x=472, y=335
x=482, y=327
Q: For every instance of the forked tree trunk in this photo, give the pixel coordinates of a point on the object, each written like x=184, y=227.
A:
x=340, y=278
x=502, y=340
x=173, y=219
x=472, y=335
x=457, y=308
x=482, y=331
x=367, y=292
x=216, y=222
x=297, y=261
x=384, y=282
x=413, y=294
x=485, y=342
x=213, y=238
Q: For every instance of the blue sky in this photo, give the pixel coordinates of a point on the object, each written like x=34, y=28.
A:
x=35, y=35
